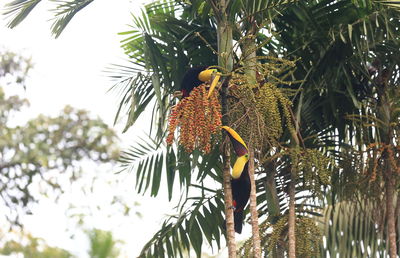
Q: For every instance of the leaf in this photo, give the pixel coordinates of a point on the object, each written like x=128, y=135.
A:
x=64, y=12
x=183, y=231
x=18, y=10
x=171, y=169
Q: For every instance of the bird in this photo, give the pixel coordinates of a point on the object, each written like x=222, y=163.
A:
x=196, y=76
x=240, y=179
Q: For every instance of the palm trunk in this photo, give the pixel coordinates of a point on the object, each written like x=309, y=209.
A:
x=292, y=219
x=249, y=54
x=271, y=194
x=253, y=209
x=230, y=229
x=396, y=216
x=225, y=60
x=295, y=143
x=386, y=135
x=225, y=45
x=391, y=220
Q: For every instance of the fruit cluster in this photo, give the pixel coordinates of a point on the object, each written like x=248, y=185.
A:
x=197, y=118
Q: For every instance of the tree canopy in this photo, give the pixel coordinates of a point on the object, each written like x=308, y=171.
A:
x=45, y=150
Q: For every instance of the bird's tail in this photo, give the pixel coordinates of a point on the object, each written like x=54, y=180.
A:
x=238, y=218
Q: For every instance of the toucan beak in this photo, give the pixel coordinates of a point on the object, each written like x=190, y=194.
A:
x=207, y=75
x=238, y=144
x=213, y=84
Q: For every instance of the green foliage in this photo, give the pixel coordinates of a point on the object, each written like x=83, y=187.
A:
x=346, y=51
x=102, y=244
x=46, y=146
x=64, y=11
x=39, y=150
x=145, y=158
x=308, y=237
x=19, y=9
x=33, y=247
x=14, y=68
x=160, y=47
x=185, y=230
x=354, y=229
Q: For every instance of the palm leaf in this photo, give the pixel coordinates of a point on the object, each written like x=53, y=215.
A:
x=185, y=230
x=64, y=12
x=351, y=230
x=18, y=10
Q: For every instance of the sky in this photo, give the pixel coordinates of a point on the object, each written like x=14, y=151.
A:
x=70, y=71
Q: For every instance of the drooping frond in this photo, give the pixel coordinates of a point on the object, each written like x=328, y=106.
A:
x=181, y=232
x=18, y=10
x=64, y=11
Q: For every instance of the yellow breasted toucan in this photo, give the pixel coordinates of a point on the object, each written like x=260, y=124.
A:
x=240, y=180
x=196, y=76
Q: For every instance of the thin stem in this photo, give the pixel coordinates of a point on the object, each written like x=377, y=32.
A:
x=225, y=60
x=390, y=215
x=230, y=229
x=292, y=219
x=253, y=208
x=249, y=48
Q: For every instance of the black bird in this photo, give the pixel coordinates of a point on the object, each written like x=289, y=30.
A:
x=195, y=77
x=240, y=180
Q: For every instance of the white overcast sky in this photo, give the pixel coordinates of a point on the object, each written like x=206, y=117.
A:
x=68, y=70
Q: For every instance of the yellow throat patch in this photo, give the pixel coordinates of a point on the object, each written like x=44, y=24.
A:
x=239, y=166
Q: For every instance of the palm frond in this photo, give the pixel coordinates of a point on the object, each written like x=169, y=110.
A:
x=64, y=11
x=185, y=230
x=146, y=158
x=390, y=3
x=18, y=10
x=351, y=230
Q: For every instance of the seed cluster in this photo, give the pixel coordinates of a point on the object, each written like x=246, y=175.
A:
x=274, y=106
x=312, y=166
x=308, y=236
x=197, y=118
x=278, y=229
x=260, y=109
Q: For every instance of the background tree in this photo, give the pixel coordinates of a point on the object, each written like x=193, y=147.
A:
x=36, y=152
x=102, y=245
x=33, y=247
